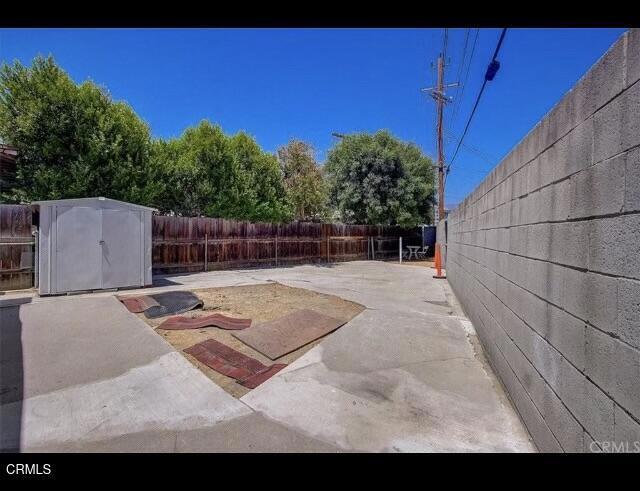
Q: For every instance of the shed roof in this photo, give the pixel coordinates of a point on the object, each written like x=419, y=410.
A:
x=99, y=201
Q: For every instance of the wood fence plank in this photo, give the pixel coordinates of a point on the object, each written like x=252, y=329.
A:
x=178, y=243
x=16, y=250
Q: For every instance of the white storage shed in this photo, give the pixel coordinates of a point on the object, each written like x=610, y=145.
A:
x=92, y=244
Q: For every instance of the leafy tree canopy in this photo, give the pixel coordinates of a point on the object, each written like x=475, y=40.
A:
x=377, y=179
x=205, y=172
x=303, y=180
x=72, y=140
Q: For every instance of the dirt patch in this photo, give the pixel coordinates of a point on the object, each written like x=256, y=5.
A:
x=259, y=303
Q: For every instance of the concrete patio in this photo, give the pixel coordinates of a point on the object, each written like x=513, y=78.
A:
x=80, y=373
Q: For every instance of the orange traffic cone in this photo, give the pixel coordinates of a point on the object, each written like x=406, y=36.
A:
x=439, y=274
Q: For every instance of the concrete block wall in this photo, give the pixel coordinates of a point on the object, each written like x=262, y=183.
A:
x=544, y=256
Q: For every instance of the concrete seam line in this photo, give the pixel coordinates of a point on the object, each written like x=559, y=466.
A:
x=568, y=266
x=551, y=345
x=496, y=372
x=567, y=220
x=552, y=183
x=534, y=367
x=614, y=336
x=518, y=378
x=619, y=94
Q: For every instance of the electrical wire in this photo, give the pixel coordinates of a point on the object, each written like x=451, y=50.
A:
x=451, y=137
x=464, y=52
x=460, y=98
x=463, y=58
x=491, y=69
x=444, y=43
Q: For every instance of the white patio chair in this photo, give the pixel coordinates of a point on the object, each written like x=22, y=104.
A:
x=423, y=253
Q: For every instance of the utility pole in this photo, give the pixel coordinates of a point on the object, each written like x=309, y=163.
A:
x=440, y=105
x=437, y=93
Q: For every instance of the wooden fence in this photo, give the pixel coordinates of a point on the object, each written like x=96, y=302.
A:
x=184, y=244
x=16, y=247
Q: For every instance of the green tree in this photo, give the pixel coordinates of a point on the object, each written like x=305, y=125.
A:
x=380, y=180
x=303, y=180
x=205, y=172
x=72, y=139
x=260, y=194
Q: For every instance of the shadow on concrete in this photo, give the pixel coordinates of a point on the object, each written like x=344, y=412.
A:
x=163, y=281
x=11, y=374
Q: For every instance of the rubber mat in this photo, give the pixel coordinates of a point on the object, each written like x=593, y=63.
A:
x=139, y=303
x=172, y=303
x=214, y=320
x=288, y=333
x=253, y=381
x=247, y=371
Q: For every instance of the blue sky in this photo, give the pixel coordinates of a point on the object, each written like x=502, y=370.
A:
x=278, y=84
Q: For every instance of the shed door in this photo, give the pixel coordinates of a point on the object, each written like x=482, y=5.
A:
x=78, y=251
x=122, y=253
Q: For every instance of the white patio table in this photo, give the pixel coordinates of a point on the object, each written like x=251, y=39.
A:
x=413, y=251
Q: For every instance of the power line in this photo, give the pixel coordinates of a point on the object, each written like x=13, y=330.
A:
x=444, y=43
x=492, y=69
x=490, y=159
x=464, y=52
x=463, y=58
x=457, y=107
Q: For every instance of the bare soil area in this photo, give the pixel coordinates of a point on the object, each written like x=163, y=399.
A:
x=259, y=303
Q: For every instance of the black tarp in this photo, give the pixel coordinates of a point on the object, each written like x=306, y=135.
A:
x=173, y=303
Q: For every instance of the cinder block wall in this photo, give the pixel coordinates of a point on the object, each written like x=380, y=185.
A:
x=544, y=256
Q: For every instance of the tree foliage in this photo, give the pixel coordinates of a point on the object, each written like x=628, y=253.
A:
x=72, y=140
x=205, y=172
x=377, y=179
x=303, y=180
